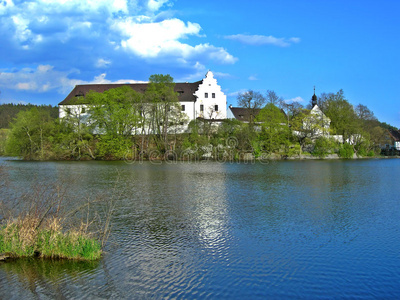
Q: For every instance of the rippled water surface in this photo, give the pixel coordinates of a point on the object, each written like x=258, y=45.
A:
x=314, y=229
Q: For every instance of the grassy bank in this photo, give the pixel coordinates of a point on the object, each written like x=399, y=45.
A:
x=46, y=222
x=25, y=237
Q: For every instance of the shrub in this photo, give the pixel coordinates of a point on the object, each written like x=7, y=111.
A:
x=346, y=151
x=323, y=146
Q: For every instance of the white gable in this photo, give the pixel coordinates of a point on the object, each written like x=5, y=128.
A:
x=211, y=101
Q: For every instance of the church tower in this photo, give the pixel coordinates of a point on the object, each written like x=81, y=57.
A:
x=314, y=99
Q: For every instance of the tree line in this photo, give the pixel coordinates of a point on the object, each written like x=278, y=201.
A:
x=9, y=111
x=124, y=124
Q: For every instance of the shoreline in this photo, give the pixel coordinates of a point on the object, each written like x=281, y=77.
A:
x=223, y=160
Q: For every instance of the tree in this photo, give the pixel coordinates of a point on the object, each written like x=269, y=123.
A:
x=272, y=130
x=115, y=112
x=273, y=98
x=29, y=134
x=342, y=115
x=115, y=115
x=164, y=100
x=252, y=101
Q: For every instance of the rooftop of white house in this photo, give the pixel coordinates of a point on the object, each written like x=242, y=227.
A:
x=185, y=91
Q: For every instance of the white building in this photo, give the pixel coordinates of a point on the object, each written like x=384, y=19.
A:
x=201, y=99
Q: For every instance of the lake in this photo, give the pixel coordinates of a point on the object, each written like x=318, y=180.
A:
x=284, y=229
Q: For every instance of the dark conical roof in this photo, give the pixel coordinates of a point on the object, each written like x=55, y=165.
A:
x=314, y=99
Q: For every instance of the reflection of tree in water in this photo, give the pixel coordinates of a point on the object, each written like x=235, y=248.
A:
x=45, y=276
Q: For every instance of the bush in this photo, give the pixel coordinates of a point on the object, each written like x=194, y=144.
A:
x=346, y=151
x=113, y=147
x=323, y=146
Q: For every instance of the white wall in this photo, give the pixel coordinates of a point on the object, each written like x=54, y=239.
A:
x=74, y=110
x=210, y=86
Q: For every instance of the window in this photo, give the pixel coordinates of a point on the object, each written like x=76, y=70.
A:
x=201, y=107
x=213, y=95
x=216, y=107
x=183, y=108
x=83, y=110
x=205, y=95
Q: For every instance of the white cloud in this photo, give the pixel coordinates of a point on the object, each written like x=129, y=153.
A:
x=235, y=94
x=296, y=99
x=155, y=5
x=6, y=5
x=45, y=78
x=149, y=39
x=258, y=40
x=103, y=63
x=162, y=39
x=78, y=27
x=253, y=77
x=222, y=75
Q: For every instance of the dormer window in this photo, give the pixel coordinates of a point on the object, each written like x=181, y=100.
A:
x=180, y=92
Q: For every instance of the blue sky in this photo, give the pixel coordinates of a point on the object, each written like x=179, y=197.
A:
x=48, y=46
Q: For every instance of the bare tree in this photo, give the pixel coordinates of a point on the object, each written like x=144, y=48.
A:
x=253, y=101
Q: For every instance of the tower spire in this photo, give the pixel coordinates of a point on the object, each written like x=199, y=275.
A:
x=314, y=99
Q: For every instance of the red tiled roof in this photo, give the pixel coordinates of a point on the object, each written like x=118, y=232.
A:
x=185, y=90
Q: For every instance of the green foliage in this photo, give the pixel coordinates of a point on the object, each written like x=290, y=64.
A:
x=342, y=115
x=295, y=150
x=3, y=137
x=19, y=240
x=164, y=111
x=29, y=134
x=323, y=146
x=116, y=111
x=346, y=151
x=274, y=128
x=70, y=245
x=113, y=147
x=9, y=111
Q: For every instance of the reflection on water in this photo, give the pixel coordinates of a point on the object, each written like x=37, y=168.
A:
x=210, y=230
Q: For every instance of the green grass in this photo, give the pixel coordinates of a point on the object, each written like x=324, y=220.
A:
x=21, y=238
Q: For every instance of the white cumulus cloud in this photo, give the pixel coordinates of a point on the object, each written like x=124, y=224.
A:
x=162, y=39
x=45, y=78
x=155, y=5
x=258, y=40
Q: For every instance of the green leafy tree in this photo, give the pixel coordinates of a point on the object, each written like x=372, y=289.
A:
x=164, y=109
x=323, y=146
x=273, y=129
x=29, y=134
x=342, y=115
x=115, y=112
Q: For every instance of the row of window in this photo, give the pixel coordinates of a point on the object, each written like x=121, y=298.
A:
x=206, y=95
x=201, y=107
